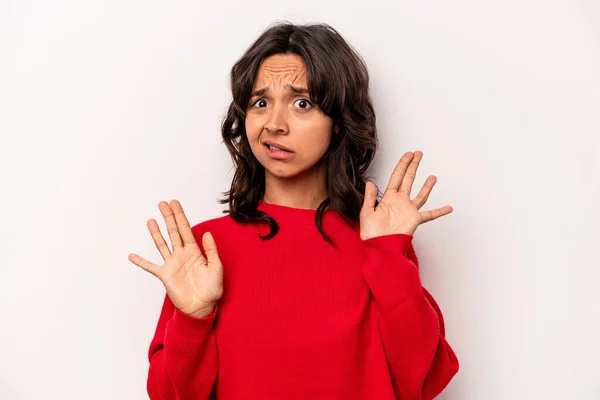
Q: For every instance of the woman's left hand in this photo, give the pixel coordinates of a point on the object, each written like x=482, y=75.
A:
x=396, y=212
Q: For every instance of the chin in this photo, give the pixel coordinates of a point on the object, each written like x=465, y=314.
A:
x=282, y=172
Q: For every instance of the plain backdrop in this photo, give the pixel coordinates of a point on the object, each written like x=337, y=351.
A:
x=109, y=107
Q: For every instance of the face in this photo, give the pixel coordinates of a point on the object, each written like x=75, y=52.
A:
x=280, y=111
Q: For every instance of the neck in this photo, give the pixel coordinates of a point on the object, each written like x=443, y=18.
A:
x=305, y=191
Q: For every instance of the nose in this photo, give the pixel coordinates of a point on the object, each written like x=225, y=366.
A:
x=276, y=122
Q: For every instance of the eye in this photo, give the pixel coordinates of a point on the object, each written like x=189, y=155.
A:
x=259, y=100
x=304, y=104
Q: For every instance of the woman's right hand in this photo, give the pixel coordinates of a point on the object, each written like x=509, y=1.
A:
x=194, y=283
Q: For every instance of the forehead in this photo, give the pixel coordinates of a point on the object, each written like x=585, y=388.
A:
x=279, y=69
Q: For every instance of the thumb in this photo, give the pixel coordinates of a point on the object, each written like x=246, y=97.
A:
x=370, y=197
x=210, y=247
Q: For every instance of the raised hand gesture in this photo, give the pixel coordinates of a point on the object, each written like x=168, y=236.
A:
x=193, y=283
x=396, y=212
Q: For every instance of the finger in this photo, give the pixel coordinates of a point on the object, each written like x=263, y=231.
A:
x=145, y=264
x=423, y=195
x=370, y=197
x=427, y=216
x=210, y=247
x=182, y=223
x=411, y=173
x=159, y=241
x=167, y=214
x=398, y=173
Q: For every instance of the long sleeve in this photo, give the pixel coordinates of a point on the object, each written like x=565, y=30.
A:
x=183, y=356
x=411, y=325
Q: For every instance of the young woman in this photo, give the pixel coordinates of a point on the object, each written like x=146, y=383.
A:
x=309, y=287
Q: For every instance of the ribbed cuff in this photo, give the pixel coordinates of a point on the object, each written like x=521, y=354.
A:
x=186, y=325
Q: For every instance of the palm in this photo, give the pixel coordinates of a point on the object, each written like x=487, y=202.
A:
x=396, y=212
x=194, y=283
x=190, y=280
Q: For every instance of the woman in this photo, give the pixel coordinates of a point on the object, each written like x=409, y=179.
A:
x=309, y=287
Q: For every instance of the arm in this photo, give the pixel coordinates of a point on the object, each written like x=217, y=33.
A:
x=183, y=356
x=411, y=325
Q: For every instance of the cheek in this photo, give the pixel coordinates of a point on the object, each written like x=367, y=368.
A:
x=324, y=136
x=252, y=130
x=317, y=140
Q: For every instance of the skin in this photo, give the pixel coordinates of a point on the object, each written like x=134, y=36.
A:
x=194, y=282
x=293, y=120
x=397, y=213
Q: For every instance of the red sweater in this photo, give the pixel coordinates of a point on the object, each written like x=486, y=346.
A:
x=300, y=319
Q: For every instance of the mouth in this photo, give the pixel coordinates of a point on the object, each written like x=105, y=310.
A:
x=278, y=153
x=276, y=147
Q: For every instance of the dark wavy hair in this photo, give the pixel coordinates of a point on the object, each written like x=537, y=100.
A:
x=338, y=82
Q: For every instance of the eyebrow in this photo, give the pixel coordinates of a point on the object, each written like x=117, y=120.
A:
x=295, y=89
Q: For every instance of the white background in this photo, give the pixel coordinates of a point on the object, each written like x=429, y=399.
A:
x=107, y=108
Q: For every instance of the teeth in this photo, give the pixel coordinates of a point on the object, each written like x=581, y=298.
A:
x=275, y=148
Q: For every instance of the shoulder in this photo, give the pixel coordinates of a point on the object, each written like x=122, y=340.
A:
x=225, y=231
x=213, y=225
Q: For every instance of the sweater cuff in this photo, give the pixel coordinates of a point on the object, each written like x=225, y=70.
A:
x=390, y=273
x=188, y=326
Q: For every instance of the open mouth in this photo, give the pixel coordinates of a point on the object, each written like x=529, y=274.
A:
x=273, y=148
x=278, y=154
